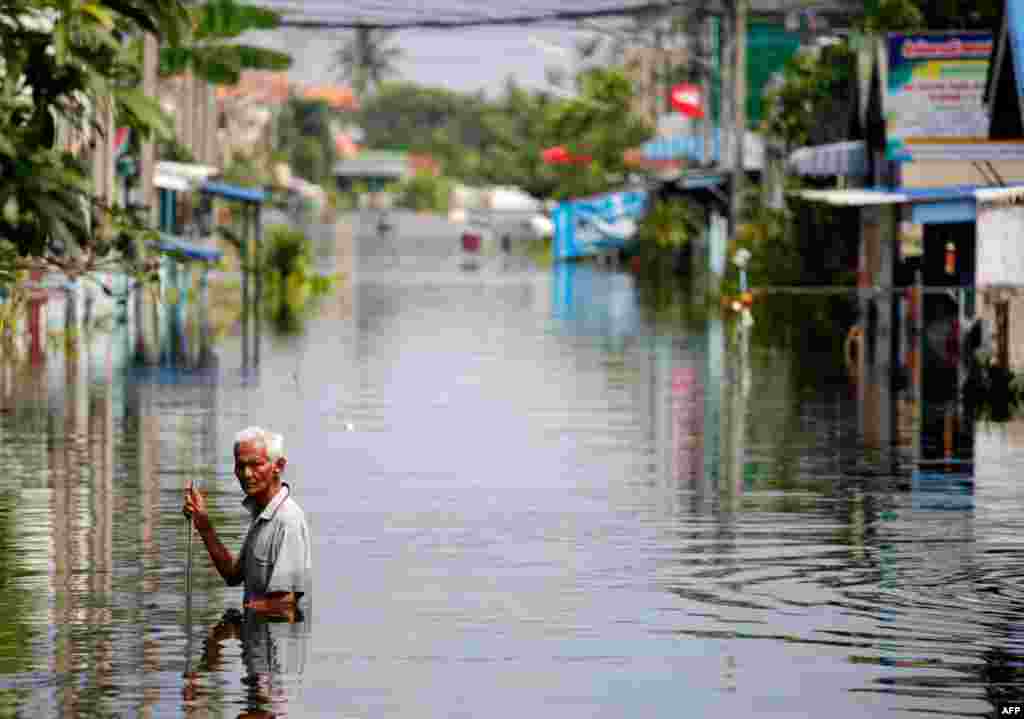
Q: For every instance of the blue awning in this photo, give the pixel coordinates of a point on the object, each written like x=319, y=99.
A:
x=192, y=251
x=691, y=147
x=234, y=192
x=688, y=147
x=704, y=181
x=837, y=159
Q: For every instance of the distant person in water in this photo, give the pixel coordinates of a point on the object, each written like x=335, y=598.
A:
x=275, y=562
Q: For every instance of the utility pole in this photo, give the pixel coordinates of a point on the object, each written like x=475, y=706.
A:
x=712, y=74
x=739, y=112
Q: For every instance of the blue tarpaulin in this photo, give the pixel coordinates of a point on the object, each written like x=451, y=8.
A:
x=234, y=192
x=590, y=225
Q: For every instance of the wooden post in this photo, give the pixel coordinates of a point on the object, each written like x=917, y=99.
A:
x=1002, y=310
x=36, y=305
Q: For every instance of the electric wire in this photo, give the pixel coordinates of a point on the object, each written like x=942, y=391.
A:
x=371, y=14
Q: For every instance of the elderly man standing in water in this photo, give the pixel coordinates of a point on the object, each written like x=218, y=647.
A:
x=275, y=561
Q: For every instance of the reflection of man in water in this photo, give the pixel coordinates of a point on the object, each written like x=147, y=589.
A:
x=275, y=562
x=274, y=654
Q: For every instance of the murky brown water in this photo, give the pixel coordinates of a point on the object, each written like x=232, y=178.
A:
x=528, y=498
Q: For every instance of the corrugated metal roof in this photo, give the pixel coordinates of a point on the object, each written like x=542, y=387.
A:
x=837, y=158
x=854, y=198
x=911, y=195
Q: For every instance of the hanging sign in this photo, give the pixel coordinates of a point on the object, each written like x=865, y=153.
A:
x=589, y=225
x=1000, y=227
x=686, y=98
x=935, y=89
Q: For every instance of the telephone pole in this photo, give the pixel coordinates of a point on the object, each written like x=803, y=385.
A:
x=739, y=111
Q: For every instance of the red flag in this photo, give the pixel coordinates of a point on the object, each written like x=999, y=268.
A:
x=559, y=155
x=686, y=98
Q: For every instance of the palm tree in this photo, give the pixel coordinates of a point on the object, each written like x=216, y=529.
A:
x=366, y=59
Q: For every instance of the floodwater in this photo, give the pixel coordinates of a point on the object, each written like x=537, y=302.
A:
x=532, y=492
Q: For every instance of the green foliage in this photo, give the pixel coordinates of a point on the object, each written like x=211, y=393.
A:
x=290, y=280
x=424, y=192
x=173, y=151
x=992, y=392
x=308, y=160
x=882, y=16
x=450, y=126
x=245, y=172
x=305, y=138
x=597, y=123
x=219, y=62
x=775, y=256
x=521, y=128
x=481, y=141
x=893, y=15
x=811, y=83
x=671, y=224
x=62, y=59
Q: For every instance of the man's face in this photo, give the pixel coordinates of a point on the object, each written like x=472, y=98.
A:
x=255, y=472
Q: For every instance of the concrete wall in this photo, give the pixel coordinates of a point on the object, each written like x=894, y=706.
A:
x=940, y=173
x=987, y=310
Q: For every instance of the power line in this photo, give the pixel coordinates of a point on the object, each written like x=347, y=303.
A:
x=370, y=18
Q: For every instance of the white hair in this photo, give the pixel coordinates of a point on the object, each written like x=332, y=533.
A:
x=273, y=443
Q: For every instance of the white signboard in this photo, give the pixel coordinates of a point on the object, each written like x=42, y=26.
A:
x=1000, y=238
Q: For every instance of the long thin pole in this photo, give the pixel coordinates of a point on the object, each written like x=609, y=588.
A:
x=245, y=286
x=739, y=114
x=188, y=597
x=258, y=269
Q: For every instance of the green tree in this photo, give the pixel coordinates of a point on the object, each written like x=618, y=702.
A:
x=599, y=124
x=293, y=285
x=304, y=137
x=895, y=15
x=366, y=59
x=520, y=126
x=425, y=192
x=62, y=60
x=813, y=96
x=308, y=160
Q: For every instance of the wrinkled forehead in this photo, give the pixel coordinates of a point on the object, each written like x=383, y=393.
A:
x=250, y=449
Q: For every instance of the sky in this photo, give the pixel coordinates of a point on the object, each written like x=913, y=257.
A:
x=465, y=59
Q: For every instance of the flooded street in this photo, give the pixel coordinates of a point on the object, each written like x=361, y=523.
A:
x=531, y=494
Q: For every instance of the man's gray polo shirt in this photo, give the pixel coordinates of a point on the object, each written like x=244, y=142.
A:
x=276, y=553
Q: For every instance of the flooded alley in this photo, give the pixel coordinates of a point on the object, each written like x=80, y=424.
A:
x=532, y=491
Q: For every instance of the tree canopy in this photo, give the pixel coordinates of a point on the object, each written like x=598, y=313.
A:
x=499, y=141
x=209, y=54
x=64, y=60
x=366, y=59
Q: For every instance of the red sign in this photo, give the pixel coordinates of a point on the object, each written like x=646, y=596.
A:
x=687, y=99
